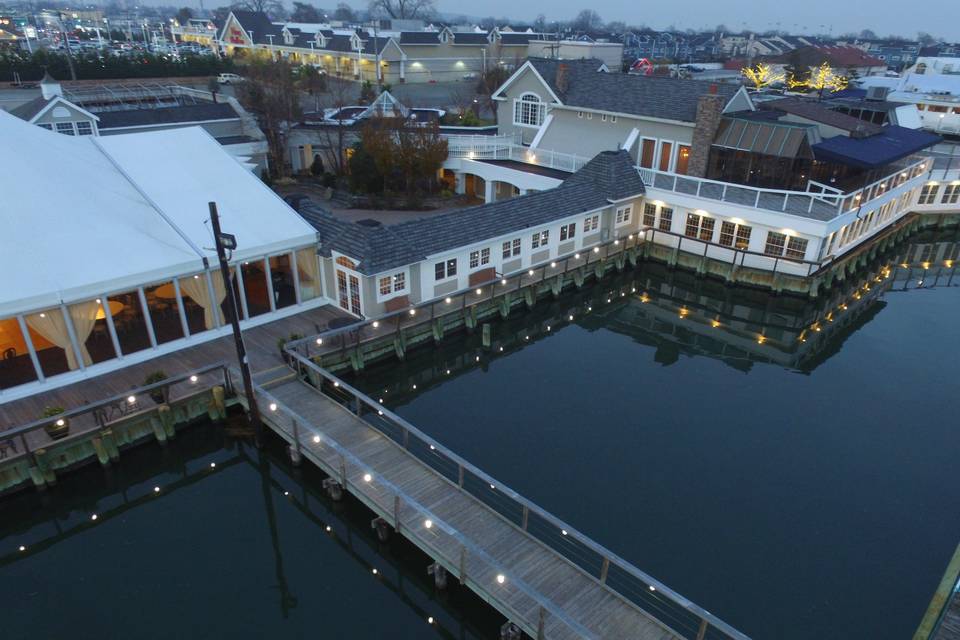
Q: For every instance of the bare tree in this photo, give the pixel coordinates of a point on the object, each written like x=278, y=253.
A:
x=345, y=13
x=271, y=94
x=587, y=20
x=306, y=12
x=403, y=9
x=273, y=8
x=340, y=93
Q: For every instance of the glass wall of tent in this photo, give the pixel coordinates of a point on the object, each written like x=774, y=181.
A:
x=49, y=342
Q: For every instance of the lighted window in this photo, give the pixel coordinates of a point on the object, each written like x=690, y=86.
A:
x=445, y=269
x=282, y=281
x=568, y=231
x=479, y=257
x=928, y=194
x=775, y=244
x=540, y=239
x=592, y=223
x=683, y=158
x=623, y=214
x=699, y=227
x=16, y=367
x=511, y=248
x=528, y=110
x=164, y=313
x=735, y=235
x=796, y=248
x=666, y=218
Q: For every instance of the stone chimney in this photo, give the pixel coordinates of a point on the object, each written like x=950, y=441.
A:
x=709, y=110
x=563, y=78
x=49, y=87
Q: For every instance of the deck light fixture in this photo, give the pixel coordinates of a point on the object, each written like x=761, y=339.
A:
x=193, y=379
x=93, y=517
x=576, y=256
x=428, y=523
x=553, y=264
x=429, y=619
x=213, y=465
x=22, y=548
x=448, y=300
x=492, y=487
x=501, y=578
x=596, y=249
x=367, y=477
x=413, y=312
x=329, y=528
x=273, y=406
x=319, y=340
x=374, y=571
x=336, y=384
x=530, y=272
x=652, y=588
x=479, y=291
x=316, y=439
x=504, y=281
x=131, y=399
x=563, y=531
x=156, y=489
x=376, y=324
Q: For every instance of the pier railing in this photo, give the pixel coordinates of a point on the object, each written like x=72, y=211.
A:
x=444, y=542
x=26, y=439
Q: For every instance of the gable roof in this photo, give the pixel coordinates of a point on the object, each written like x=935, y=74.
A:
x=609, y=177
x=644, y=96
x=167, y=115
x=31, y=111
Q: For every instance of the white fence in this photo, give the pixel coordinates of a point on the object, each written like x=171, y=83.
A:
x=508, y=147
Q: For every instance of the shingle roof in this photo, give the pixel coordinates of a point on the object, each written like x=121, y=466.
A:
x=819, y=113
x=28, y=110
x=609, y=176
x=259, y=23
x=419, y=37
x=649, y=96
x=166, y=115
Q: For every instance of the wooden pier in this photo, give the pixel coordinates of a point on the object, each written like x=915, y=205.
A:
x=543, y=575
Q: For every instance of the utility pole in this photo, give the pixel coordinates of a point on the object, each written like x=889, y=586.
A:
x=226, y=241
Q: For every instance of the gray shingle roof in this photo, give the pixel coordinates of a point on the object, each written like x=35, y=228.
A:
x=167, y=115
x=419, y=37
x=609, y=176
x=650, y=96
x=28, y=110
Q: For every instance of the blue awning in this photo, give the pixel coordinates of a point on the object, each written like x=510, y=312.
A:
x=890, y=145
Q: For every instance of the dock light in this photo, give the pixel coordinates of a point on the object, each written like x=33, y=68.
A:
x=93, y=517
x=319, y=340
x=60, y=422
x=633, y=289
x=501, y=578
x=213, y=465
x=504, y=281
x=448, y=371
x=131, y=399
x=652, y=588
x=548, y=327
x=478, y=359
x=479, y=291
x=380, y=400
x=501, y=348
x=367, y=477
x=570, y=318
x=336, y=384
x=616, y=242
x=22, y=548
x=193, y=378
x=329, y=528
x=526, y=337
x=156, y=489
x=492, y=487
x=576, y=256
x=286, y=493
x=530, y=272
x=376, y=324
x=414, y=387
x=429, y=619
x=553, y=264
x=448, y=300
x=608, y=300
x=273, y=406
x=316, y=439
x=413, y=312
x=589, y=308
x=379, y=413
x=374, y=570
x=630, y=237
x=428, y=523
x=563, y=531
x=596, y=249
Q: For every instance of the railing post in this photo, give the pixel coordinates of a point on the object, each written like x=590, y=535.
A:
x=541, y=635
x=396, y=513
x=702, y=631
x=296, y=437
x=526, y=516
x=463, y=564
x=460, y=475
x=604, y=569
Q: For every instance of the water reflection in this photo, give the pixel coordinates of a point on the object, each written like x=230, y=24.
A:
x=681, y=314
x=305, y=529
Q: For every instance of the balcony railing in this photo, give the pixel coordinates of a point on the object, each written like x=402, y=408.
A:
x=822, y=201
x=508, y=147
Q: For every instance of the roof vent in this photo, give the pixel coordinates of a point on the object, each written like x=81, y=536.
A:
x=369, y=222
x=877, y=94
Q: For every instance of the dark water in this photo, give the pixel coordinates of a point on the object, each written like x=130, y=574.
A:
x=217, y=553
x=802, y=487
x=805, y=487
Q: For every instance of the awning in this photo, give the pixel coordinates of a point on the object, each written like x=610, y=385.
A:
x=890, y=145
x=764, y=137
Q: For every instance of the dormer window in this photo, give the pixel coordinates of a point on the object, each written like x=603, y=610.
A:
x=528, y=110
x=287, y=37
x=355, y=42
x=446, y=35
x=321, y=40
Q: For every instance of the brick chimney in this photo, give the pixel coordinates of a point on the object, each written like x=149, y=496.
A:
x=563, y=78
x=709, y=109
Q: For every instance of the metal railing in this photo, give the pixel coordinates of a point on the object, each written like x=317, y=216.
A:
x=824, y=202
x=460, y=555
x=97, y=415
x=656, y=599
x=509, y=147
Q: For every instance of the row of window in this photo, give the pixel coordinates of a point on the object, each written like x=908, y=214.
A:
x=70, y=337
x=82, y=128
x=936, y=108
x=512, y=248
x=928, y=194
x=856, y=229
x=603, y=117
x=664, y=160
x=393, y=284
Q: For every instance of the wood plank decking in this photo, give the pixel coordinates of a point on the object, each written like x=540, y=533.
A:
x=463, y=532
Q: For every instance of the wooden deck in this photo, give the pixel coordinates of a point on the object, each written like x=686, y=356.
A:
x=471, y=540
x=262, y=351
x=950, y=625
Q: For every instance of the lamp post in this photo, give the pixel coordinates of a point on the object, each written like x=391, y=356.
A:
x=224, y=242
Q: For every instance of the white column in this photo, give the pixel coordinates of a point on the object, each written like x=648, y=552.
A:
x=488, y=191
x=461, y=182
x=403, y=68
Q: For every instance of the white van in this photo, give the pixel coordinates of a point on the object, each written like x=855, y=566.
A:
x=229, y=78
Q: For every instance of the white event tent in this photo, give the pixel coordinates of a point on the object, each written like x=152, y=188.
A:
x=121, y=224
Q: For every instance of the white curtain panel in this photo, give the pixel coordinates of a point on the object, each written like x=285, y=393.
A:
x=51, y=325
x=196, y=288
x=84, y=316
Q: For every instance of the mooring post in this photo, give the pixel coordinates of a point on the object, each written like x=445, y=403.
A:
x=702, y=631
x=463, y=564
x=295, y=456
x=541, y=624
x=486, y=335
x=382, y=528
x=439, y=575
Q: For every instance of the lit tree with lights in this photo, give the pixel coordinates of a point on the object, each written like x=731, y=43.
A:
x=761, y=76
x=823, y=79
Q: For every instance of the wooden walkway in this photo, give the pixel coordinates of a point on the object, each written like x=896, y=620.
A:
x=950, y=625
x=471, y=540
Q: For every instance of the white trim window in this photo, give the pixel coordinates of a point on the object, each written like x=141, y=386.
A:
x=928, y=195
x=591, y=223
x=540, y=239
x=568, y=231
x=699, y=226
x=84, y=128
x=666, y=219
x=445, y=269
x=528, y=110
x=511, y=248
x=479, y=258
x=780, y=245
x=649, y=214
x=735, y=235
x=66, y=128
x=390, y=285
x=623, y=214
x=951, y=193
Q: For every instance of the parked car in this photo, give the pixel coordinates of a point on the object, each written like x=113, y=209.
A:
x=229, y=78
x=470, y=76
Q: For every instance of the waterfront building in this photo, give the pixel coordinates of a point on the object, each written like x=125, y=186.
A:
x=113, y=266
x=933, y=85
x=364, y=53
x=785, y=185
